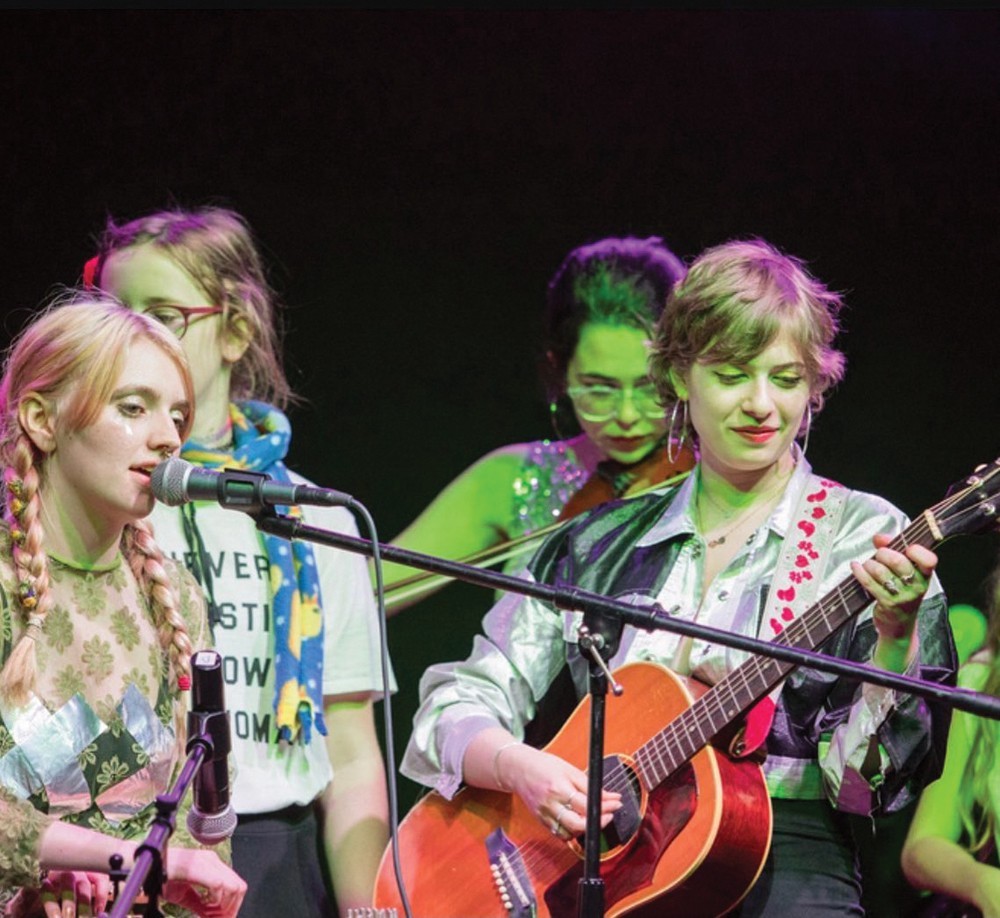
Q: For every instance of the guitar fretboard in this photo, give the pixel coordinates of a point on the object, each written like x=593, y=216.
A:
x=734, y=695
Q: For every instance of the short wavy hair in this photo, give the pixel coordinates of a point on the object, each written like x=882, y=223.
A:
x=734, y=301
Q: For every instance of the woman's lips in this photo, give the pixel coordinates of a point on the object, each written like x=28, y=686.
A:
x=756, y=434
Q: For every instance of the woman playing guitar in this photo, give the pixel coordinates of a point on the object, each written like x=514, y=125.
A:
x=743, y=356
x=601, y=307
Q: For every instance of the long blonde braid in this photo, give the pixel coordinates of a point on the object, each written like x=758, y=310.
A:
x=145, y=559
x=72, y=355
x=21, y=512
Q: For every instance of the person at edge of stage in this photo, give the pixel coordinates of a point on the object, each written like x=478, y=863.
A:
x=296, y=623
x=743, y=355
x=601, y=306
x=96, y=627
x=951, y=847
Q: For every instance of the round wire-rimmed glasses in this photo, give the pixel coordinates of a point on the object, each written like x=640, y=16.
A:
x=178, y=318
x=601, y=403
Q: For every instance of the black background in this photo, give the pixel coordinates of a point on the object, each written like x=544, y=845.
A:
x=415, y=177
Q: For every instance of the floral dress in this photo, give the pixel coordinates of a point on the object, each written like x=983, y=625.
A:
x=95, y=742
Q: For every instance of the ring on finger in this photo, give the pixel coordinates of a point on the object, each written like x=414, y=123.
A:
x=890, y=586
x=909, y=578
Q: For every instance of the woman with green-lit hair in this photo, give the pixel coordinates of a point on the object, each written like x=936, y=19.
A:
x=743, y=357
x=601, y=306
x=951, y=846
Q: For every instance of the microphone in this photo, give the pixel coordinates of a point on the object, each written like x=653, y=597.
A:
x=211, y=818
x=176, y=481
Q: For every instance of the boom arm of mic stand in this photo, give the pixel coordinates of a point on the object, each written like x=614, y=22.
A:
x=651, y=617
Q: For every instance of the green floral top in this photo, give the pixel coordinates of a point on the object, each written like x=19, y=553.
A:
x=95, y=743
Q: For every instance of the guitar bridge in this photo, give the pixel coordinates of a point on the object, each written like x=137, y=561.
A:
x=510, y=877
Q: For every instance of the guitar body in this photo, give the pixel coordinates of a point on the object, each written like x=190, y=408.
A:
x=695, y=826
x=692, y=845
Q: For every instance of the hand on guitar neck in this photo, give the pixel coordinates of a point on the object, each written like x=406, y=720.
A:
x=897, y=581
x=687, y=817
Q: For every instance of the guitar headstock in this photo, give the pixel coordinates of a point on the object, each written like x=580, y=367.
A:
x=972, y=505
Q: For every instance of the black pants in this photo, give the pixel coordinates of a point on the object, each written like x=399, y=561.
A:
x=811, y=869
x=280, y=855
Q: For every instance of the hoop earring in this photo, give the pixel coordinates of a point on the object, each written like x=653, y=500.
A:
x=671, y=438
x=809, y=422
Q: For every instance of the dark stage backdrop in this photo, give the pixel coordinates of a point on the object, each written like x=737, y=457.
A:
x=415, y=177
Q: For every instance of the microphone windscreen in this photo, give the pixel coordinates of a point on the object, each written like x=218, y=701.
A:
x=211, y=828
x=168, y=481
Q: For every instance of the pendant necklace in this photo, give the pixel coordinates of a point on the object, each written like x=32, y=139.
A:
x=763, y=503
x=721, y=539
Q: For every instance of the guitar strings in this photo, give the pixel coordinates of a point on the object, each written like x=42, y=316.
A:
x=755, y=676
x=720, y=698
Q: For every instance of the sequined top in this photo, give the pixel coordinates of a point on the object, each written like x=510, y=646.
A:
x=550, y=475
x=95, y=742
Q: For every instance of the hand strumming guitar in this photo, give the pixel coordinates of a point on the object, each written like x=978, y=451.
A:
x=554, y=790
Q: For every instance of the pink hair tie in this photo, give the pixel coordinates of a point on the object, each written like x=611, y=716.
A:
x=184, y=682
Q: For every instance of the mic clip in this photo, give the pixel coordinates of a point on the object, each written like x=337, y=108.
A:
x=210, y=730
x=242, y=490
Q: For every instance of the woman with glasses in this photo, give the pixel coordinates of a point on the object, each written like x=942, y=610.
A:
x=748, y=543
x=601, y=307
x=296, y=624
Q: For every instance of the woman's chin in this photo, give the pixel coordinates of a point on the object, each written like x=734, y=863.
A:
x=628, y=451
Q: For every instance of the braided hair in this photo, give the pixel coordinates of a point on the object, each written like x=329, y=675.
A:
x=75, y=350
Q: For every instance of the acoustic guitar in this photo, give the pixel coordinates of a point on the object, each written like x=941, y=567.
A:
x=694, y=829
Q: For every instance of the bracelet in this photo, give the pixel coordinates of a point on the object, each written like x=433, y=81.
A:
x=496, y=764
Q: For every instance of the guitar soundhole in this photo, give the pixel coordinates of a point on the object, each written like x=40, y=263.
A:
x=669, y=807
x=621, y=777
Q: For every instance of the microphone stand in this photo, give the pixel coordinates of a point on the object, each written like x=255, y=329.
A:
x=599, y=638
x=652, y=617
x=148, y=873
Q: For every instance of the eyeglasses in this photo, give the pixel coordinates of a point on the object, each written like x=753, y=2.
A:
x=601, y=403
x=178, y=318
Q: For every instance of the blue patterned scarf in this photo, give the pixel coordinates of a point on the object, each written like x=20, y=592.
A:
x=261, y=437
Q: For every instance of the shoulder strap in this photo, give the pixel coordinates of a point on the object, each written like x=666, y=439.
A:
x=805, y=554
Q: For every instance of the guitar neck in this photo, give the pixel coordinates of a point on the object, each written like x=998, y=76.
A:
x=735, y=694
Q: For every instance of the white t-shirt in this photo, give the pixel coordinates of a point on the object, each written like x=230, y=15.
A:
x=269, y=776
